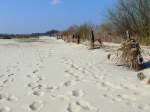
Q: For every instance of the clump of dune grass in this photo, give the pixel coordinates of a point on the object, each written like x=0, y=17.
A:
x=131, y=54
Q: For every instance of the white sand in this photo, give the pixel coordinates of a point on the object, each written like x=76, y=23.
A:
x=53, y=76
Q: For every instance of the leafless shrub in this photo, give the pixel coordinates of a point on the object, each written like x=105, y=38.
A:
x=132, y=15
x=131, y=54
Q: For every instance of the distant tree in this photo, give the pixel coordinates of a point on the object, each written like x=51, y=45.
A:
x=85, y=30
x=132, y=15
x=72, y=29
x=51, y=32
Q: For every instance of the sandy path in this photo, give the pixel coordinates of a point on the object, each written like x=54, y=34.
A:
x=52, y=76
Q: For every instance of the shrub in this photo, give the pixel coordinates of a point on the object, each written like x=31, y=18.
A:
x=134, y=16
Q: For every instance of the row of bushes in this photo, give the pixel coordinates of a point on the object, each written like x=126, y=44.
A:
x=129, y=15
x=102, y=32
x=130, y=49
x=80, y=34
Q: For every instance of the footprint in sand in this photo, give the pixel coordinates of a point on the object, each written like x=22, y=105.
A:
x=12, y=98
x=77, y=93
x=140, y=107
x=108, y=85
x=85, y=105
x=10, y=75
x=67, y=61
x=102, y=85
x=112, y=99
x=35, y=71
x=75, y=76
x=38, y=93
x=5, y=81
x=72, y=107
x=105, y=95
x=5, y=109
x=36, y=106
x=51, y=88
x=119, y=98
x=123, y=86
x=36, y=85
x=30, y=76
x=8, y=97
x=37, y=64
x=124, y=97
x=3, y=96
x=8, y=80
x=32, y=85
x=40, y=78
x=74, y=67
x=39, y=87
x=79, y=106
x=69, y=83
x=69, y=72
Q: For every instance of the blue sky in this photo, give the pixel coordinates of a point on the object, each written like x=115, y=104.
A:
x=27, y=16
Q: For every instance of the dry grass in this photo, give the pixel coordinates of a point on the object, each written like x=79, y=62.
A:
x=131, y=54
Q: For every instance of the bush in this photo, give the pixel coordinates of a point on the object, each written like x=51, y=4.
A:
x=132, y=15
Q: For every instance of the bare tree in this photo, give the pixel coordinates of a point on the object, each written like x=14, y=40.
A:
x=132, y=15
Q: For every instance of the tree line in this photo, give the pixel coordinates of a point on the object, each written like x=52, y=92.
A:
x=129, y=16
x=33, y=35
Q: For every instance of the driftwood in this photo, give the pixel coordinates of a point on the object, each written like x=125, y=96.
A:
x=93, y=40
x=141, y=76
x=76, y=38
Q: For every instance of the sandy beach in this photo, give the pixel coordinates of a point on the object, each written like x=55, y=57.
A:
x=50, y=75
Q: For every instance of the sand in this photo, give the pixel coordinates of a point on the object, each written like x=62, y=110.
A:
x=50, y=75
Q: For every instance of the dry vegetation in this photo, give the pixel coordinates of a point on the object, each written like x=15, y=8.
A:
x=128, y=22
x=129, y=15
x=131, y=54
x=80, y=34
x=134, y=16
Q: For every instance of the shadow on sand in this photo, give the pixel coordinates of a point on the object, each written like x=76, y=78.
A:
x=94, y=48
x=145, y=65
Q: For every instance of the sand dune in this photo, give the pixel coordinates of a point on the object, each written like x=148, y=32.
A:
x=53, y=76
